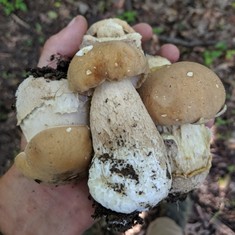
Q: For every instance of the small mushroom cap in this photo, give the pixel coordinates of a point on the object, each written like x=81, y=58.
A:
x=184, y=92
x=57, y=155
x=113, y=27
x=110, y=61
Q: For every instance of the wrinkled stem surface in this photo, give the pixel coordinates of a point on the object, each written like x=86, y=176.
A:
x=129, y=171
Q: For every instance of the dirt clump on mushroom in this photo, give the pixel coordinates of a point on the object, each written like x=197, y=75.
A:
x=62, y=64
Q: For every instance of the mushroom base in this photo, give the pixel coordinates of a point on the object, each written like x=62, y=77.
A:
x=188, y=148
x=115, y=221
x=184, y=185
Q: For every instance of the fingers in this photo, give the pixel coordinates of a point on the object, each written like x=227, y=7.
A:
x=145, y=30
x=170, y=51
x=210, y=123
x=66, y=42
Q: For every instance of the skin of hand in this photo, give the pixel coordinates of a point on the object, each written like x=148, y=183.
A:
x=29, y=208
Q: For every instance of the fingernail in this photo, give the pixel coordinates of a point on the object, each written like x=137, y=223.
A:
x=72, y=21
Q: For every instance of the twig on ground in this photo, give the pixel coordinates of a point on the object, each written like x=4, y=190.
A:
x=202, y=215
x=20, y=21
x=185, y=43
x=4, y=55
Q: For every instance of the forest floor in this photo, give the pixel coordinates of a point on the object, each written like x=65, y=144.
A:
x=204, y=32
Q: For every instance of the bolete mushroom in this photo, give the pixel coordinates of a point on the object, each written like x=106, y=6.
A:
x=129, y=171
x=42, y=104
x=176, y=96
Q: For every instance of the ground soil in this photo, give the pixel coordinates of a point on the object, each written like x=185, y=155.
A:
x=203, y=30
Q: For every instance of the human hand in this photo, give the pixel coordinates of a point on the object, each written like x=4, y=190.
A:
x=27, y=207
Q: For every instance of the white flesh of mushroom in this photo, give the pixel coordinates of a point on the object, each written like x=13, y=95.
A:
x=129, y=170
x=188, y=148
x=42, y=103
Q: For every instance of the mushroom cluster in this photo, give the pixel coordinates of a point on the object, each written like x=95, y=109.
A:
x=136, y=121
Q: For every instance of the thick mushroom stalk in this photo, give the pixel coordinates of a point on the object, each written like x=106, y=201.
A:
x=188, y=147
x=129, y=171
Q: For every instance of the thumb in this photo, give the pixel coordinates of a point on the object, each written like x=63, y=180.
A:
x=66, y=42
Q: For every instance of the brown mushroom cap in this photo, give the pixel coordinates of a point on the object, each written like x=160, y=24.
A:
x=57, y=155
x=184, y=92
x=110, y=61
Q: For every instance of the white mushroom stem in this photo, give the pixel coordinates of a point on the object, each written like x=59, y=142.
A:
x=188, y=147
x=129, y=171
